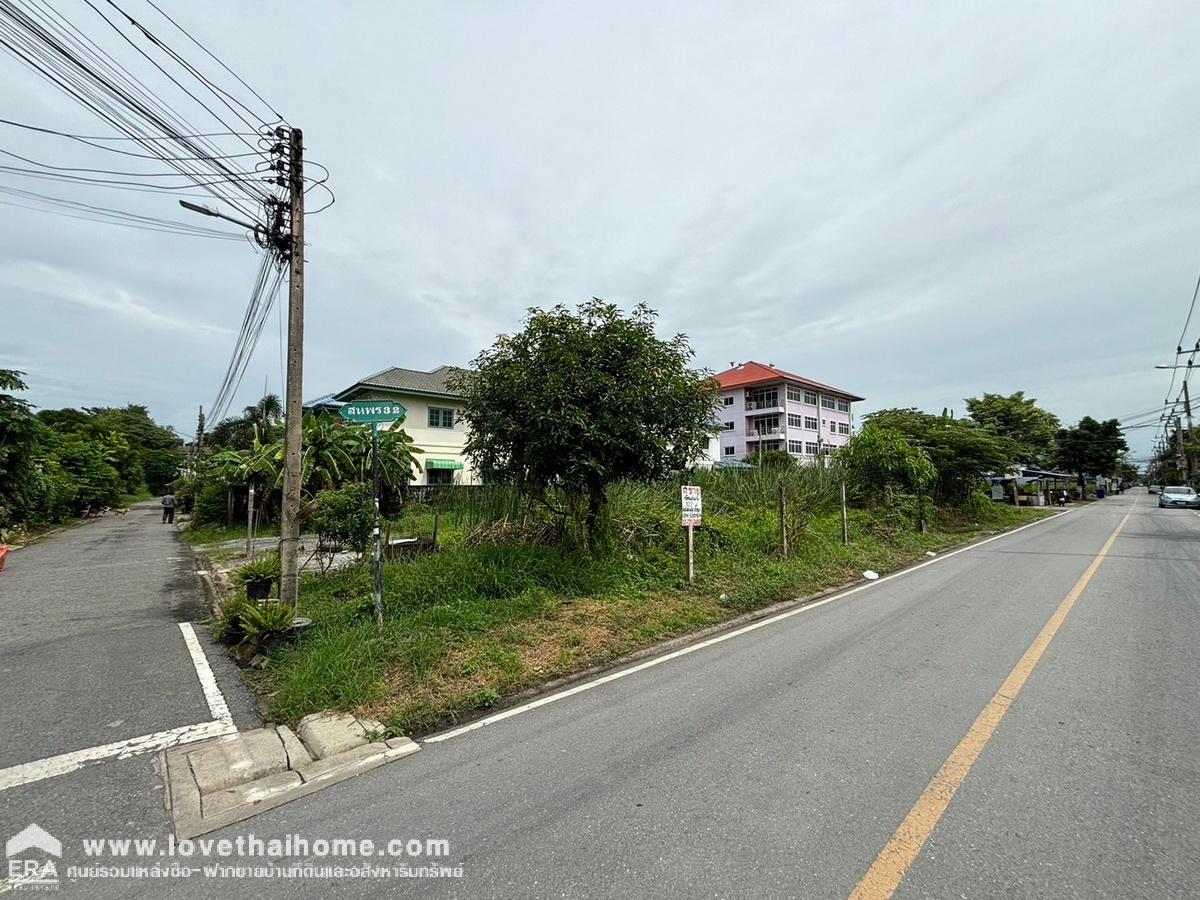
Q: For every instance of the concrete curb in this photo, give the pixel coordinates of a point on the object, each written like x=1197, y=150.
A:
x=221, y=781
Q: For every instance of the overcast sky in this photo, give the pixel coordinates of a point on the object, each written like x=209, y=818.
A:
x=914, y=202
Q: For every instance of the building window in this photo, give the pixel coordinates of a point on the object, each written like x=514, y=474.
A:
x=843, y=427
x=727, y=426
x=729, y=451
x=811, y=448
x=843, y=406
x=440, y=418
x=795, y=421
x=810, y=423
x=762, y=398
x=810, y=397
x=727, y=401
x=440, y=476
x=795, y=446
x=794, y=393
x=828, y=403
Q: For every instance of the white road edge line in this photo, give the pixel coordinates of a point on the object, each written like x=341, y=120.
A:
x=720, y=638
x=51, y=766
x=208, y=682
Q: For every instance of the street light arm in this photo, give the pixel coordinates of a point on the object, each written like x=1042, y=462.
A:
x=205, y=211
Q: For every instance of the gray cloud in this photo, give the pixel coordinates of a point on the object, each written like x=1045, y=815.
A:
x=918, y=203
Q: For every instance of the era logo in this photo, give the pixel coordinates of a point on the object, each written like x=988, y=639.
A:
x=28, y=862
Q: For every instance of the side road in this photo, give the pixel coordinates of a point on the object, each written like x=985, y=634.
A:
x=92, y=654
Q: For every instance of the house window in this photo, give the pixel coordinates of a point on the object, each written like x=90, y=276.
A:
x=727, y=426
x=795, y=446
x=795, y=421
x=794, y=393
x=811, y=448
x=762, y=398
x=440, y=476
x=843, y=427
x=729, y=451
x=727, y=401
x=828, y=403
x=810, y=397
x=810, y=423
x=843, y=406
x=440, y=418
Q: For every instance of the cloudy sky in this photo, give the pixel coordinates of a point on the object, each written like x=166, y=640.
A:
x=915, y=202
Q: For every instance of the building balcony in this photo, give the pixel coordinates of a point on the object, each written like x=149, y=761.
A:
x=752, y=405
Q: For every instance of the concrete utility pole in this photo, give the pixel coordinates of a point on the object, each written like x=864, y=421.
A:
x=1187, y=408
x=289, y=525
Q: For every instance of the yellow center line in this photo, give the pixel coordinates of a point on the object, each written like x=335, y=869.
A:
x=906, y=843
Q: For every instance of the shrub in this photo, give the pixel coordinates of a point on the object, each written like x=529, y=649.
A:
x=772, y=459
x=243, y=621
x=260, y=621
x=345, y=516
x=211, y=505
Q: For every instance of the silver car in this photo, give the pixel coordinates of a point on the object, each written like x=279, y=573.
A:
x=1178, y=497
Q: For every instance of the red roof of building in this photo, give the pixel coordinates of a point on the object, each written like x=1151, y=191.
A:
x=751, y=373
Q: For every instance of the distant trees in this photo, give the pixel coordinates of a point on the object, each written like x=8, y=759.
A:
x=1091, y=447
x=578, y=400
x=1019, y=419
x=962, y=451
x=55, y=462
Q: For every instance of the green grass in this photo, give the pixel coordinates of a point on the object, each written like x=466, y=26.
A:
x=139, y=497
x=215, y=534
x=492, y=614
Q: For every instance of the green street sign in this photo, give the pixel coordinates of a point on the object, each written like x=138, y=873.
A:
x=373, y=412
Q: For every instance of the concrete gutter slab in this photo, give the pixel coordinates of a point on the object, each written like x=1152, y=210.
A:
x=227, y=779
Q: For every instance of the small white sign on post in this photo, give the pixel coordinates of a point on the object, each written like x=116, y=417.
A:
x=693, y=506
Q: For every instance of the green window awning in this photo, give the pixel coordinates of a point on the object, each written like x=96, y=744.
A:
x=443, y=464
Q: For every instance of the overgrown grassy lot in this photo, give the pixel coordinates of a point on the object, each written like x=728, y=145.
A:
x=502, y=607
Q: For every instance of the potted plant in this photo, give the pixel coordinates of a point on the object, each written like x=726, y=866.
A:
x=258, y=576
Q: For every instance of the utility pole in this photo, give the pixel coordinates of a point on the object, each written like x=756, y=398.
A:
x=289, y=525
x=199, y=445
x=1187, y=408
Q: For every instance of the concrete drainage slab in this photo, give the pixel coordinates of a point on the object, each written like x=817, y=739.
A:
x=225, y=780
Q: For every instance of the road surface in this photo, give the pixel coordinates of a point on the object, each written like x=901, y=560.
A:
x=1019, y=719
x=92, y=654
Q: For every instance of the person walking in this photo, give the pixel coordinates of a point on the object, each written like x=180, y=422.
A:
x=168, y=506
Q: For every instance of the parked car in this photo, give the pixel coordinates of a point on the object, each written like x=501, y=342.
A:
x=1178, y=497
x=1153, y=488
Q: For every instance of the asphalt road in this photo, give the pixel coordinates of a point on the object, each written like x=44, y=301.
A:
x=780, y=762
x=91, y=653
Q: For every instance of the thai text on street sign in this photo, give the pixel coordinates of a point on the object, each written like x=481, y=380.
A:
x=692, y=506
x=373, y=412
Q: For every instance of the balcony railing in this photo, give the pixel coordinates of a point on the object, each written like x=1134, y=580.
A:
x=763, y=404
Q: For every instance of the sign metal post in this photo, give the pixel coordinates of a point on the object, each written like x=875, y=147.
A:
x=693, y=507
x=375, y=413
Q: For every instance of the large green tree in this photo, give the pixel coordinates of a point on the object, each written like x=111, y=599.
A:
x=961, y=451
x=1018, y=418
x=1091, y=447
x=19, y=441
x=577, y=400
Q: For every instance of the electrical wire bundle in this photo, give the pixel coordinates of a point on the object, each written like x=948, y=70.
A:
x=176, y=129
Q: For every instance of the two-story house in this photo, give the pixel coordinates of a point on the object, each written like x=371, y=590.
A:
x=760, y=406
x=433, y=419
